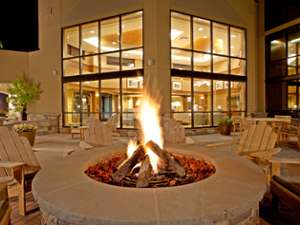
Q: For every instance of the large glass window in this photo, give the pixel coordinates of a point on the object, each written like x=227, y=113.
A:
x=212, y=60
x=95, y=57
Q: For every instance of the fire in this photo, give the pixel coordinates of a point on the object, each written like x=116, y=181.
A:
x=150, y=122
x=132, y=146
x=151, y=130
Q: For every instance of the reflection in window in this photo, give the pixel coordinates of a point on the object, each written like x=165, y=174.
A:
x=220, y=64
x=278, y=49
x=237, y=66
x=132, y=30
x=71, y=67
x=72, y=103
x=89, y=38
x=131, y=99
x=180, y=30
x=202, y=95
x=291, y=63
x=181, y=59
x=292, y=97
x=110, y=35
x=238, y=96
x=110, y=98
x=237, y=42
x=90, y=96
x=201, y=34
x=110, y=62
x=220, y=39
x=220, y=95
x=181, y=94
x=132, y=59
x=71, y=42
x=89, y=64
x=202, y=62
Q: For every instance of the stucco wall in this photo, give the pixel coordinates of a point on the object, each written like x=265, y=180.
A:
x=12, y=64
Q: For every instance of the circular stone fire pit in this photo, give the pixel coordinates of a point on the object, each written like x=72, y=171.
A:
x=66, y=195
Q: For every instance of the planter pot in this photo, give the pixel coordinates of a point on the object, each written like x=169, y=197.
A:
x=225, y=129
x=30, y=135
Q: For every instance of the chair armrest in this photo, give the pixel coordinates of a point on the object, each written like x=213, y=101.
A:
x=276, y=164
x=260, y=151
x=10, y=164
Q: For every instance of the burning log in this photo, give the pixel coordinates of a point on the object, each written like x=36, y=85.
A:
x=144, y=173
x=128, y=165
x=172, y=163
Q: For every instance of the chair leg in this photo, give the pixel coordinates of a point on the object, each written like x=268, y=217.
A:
x=22, y=196
x=19, y=176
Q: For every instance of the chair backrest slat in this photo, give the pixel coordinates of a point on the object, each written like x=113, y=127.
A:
x=15, y=148
x=258, y=137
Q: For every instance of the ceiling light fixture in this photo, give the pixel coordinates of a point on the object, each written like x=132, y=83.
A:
x=295, y=40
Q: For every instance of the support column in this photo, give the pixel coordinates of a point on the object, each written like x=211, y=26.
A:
x=157, y=82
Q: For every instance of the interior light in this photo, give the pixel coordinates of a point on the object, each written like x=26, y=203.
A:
x=233, y=35
x=200, y=28
x=274, y=42
x=93, y=41
x=92, y=31
x=295, y=106
x=204, y=36
x=114, y=43
x=97, y=94
x=202, y=97
x=295, y=40
x=175, y=33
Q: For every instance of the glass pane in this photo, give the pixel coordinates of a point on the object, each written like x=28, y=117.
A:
x=132, y=30
x=220, y=95
x=131, y=99
x=132, y=59
x=181, y=59
x=293, y=44
x=180, y=30
x=238, y=66
x=202, y=95
x=109, y=35
x=292, y=97
x=238, y=96
x=181, y=94
x=184, y=118
x=201, y=35
x=278, y=68
x=110, y=98
x=291, y=63
x=202, y=62
x=71, y=67
x=220, y=64
x=202, y=119
x=220, y=39
x=278, y=49
x=237, y=42
x=71, y=42
x=90, y=40
x=90, y=96
x=218, y=116
x=72, y=97
x=89, y=64
x=72, y=119
x=110, y=62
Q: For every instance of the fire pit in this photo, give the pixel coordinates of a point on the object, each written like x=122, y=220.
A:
x=137, y=171
x=147, y=164
x=229, y=195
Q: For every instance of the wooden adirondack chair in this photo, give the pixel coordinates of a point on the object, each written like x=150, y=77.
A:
x=98, y=133
x=258, y=142
x=17, y=162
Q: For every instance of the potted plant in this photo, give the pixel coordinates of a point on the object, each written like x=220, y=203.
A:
x=22, y=92
x=225, y=126
x=27, y=130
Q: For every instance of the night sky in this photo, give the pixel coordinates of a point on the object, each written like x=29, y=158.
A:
x=19, y=25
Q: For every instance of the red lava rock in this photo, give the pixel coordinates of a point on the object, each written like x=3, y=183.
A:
x=196, y=169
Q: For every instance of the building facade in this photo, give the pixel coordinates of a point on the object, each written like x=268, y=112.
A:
x=202, y=58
